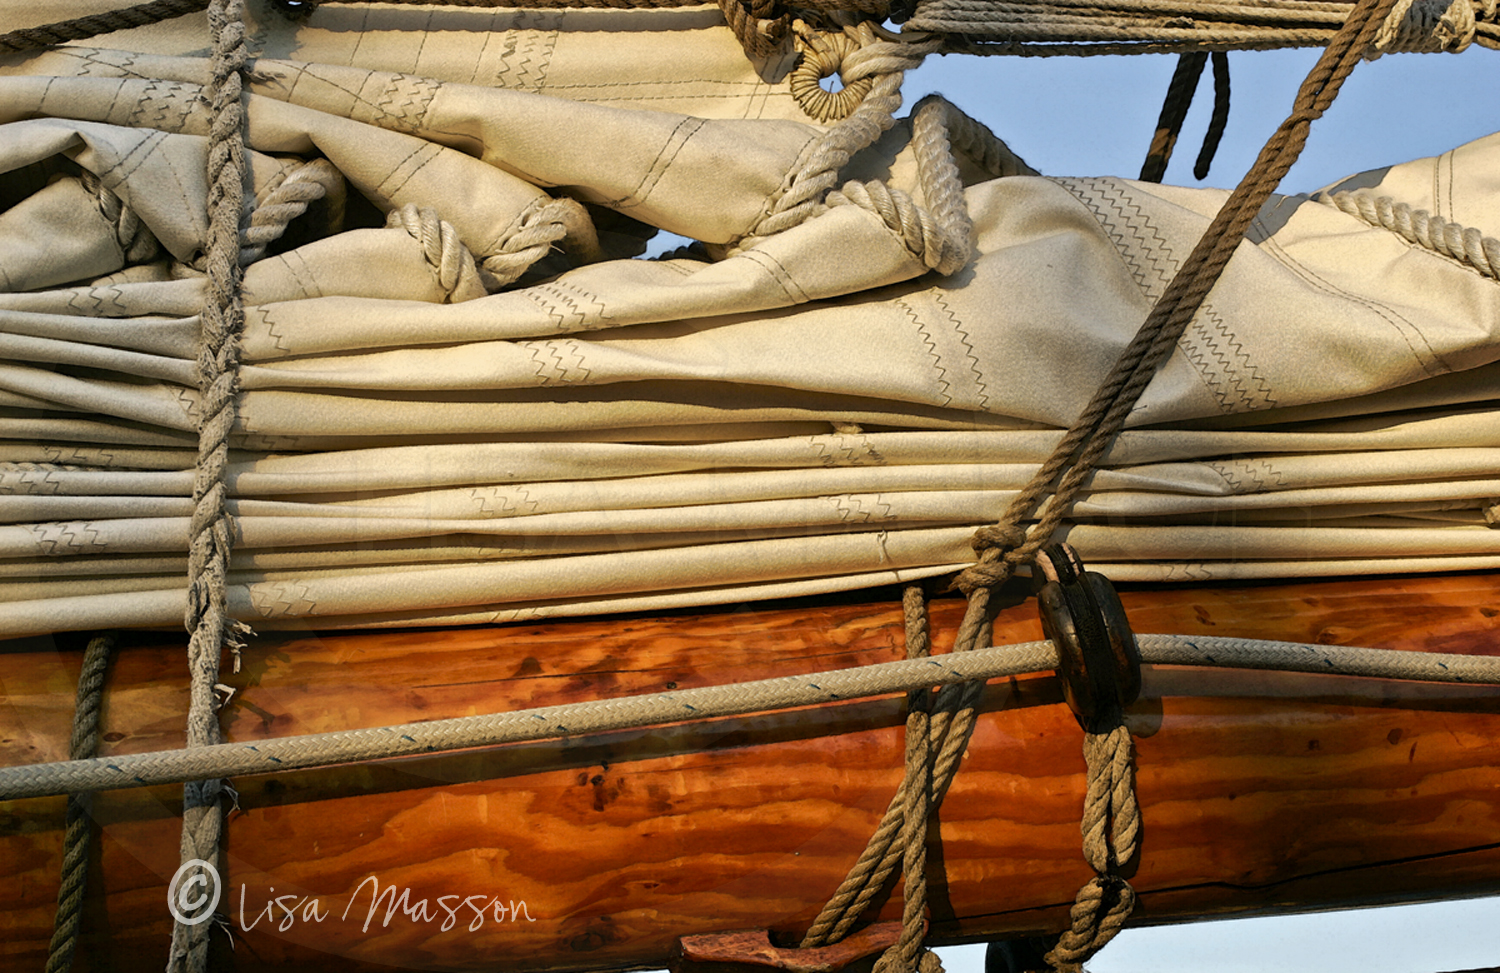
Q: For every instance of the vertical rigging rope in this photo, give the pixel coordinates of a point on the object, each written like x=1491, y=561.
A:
x=211, y=533
x=79, y=828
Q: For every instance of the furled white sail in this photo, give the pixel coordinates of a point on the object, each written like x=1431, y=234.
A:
x=464, y=398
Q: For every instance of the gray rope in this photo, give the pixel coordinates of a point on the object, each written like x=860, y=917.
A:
x=211, y=534
x=632, y=712
x=79, y=829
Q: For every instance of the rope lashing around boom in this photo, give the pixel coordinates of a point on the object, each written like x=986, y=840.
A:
x=345, y=747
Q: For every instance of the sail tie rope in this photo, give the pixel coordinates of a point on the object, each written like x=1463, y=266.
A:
x=310, y=182
x=1464, y=244
x=444, y=251
x=137, y=243
x=78, y=832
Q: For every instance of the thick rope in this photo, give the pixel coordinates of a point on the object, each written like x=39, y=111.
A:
x=443, y=250
x=679, y=706
x=1003, y=546
x=1111, y=827
x=802, y=193
x=136, y=241
x=79, y=829
x=917, y=806
x=1464, y=244
x=1083, y=27
x=537, y=231
x=211, y=534
x=305, y=185
x=82, y=28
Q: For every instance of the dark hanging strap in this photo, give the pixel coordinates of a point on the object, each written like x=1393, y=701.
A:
x=1220, y=119
x=1174, y=109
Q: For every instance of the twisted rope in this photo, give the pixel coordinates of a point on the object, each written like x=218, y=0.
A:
x=443, y=250
x=136, y=240
x=305, y=185
x=541, y=227
x=801, y=196
x=917, y=806
x=1464, y=244
x=78, y=832
x=958, y=673
x=1111, y=827
x=211, y=534
x=1005, y=545
x=1040, y=28
x=82, y=28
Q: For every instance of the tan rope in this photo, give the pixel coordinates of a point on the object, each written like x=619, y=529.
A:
x=1464, y=244
x=136, y=241
x=1080, y=27
x=1111, y=827
x=78, y=831
x=305, y=185
x=958, y=673
x=444, y=251
x=1001, y=547
x=537, y=231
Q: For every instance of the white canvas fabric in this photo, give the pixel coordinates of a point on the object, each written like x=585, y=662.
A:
x=442, y=423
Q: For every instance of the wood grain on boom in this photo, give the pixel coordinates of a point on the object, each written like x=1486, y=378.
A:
x=1260, y=791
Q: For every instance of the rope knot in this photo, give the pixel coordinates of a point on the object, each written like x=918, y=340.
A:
x=760, y=25
x=1001, y=538
x=1097, y=914
x=1428, y=26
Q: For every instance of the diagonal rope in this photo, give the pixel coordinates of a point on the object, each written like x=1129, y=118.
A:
x=82, y=28
x=1001, y=547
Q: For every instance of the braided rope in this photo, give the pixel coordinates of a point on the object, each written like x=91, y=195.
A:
x=211, y=534
x=1464, y=244
x=78, y=831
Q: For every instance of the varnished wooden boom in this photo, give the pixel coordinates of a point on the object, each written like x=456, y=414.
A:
x=1259, y=791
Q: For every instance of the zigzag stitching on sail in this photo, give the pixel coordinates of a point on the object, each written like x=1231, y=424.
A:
x=1208, y=344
